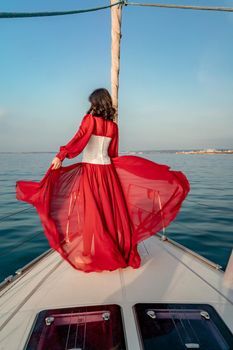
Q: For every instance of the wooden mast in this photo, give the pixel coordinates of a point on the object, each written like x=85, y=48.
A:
x=116, y=15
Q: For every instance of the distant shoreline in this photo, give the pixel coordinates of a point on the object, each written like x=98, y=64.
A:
x=138, y=152
x=208, y=151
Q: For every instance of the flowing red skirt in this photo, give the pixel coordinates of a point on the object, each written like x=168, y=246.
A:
x=94, y=215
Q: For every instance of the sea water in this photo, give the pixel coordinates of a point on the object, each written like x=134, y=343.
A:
x=204, y=224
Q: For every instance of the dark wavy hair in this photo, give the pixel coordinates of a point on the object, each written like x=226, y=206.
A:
x=101, y=104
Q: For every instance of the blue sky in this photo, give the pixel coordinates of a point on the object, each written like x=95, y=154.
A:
x=176, y=78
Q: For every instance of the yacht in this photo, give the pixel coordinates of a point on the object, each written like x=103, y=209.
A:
x=176, y=299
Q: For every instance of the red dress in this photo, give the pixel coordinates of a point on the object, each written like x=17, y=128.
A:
x=95, y=212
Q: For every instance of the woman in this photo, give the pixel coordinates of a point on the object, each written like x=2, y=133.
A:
x=95, y=212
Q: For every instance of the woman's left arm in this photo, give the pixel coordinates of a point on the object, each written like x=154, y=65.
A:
x=78, y=142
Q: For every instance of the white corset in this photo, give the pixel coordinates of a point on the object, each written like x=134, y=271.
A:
x=96, y=150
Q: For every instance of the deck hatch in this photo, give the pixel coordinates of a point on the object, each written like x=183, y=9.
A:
x=181, y=327
x=78, y=328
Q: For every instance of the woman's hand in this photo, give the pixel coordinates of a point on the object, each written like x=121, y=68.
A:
x=56, y=163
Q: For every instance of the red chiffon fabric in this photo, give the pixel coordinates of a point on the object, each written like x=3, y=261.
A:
x=94, y=215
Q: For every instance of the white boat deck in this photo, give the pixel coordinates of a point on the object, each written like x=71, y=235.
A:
x=167, y=274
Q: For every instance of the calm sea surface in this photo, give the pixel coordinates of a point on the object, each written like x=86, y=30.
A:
x=204, y=224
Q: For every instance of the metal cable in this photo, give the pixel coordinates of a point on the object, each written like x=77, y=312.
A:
x=20, y=244
x=28, y=296
x=28, y=239
x=14, y=213
x=198, y=275
x=8, y=15
x=185, y=7
x=4, y=15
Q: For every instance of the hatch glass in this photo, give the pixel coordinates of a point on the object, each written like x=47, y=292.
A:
x=181, y=327
x=78, y=328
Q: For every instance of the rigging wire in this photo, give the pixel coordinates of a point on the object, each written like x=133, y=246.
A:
x=55, y=13
x=198, y=203
x=36, y=235
x=6, y=252
x=29, y=295
x=8, y=15
x=30, y=208
x=14, y=213
x=185, y=7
